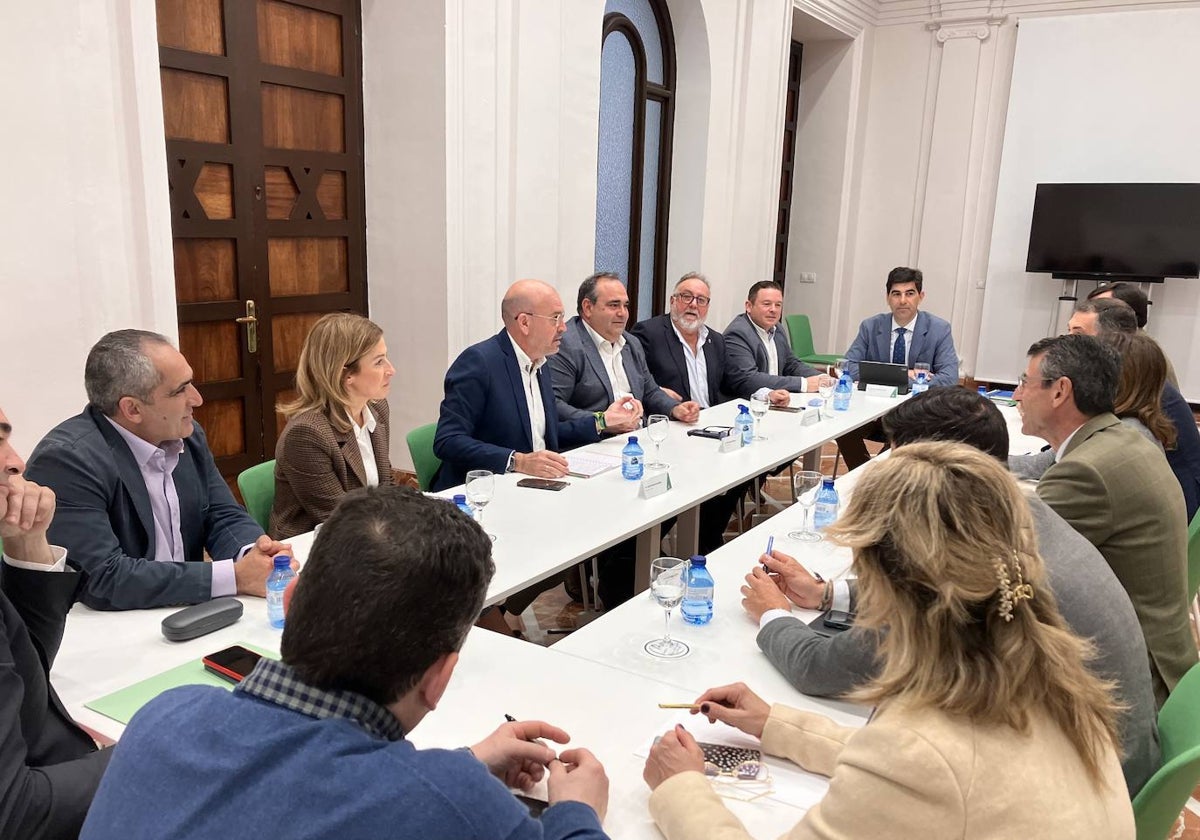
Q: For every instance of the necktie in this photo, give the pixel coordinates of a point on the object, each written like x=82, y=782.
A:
x=898, y=348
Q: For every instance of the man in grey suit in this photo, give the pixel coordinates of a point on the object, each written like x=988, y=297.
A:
x=598, y=362
x=758, y=355
x=1088, y=593
x=1115, y=487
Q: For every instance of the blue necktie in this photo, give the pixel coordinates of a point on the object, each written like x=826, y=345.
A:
x=898, y=348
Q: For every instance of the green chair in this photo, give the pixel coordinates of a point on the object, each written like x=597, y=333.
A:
x=258, y=492
x=1193, y=568
x=1159, y=803
x=420, y=447
x=800, y=332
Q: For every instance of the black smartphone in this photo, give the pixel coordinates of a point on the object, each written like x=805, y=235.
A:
x=542, y=483
x=839, y=619
x=713, y=432
x=233, y=664
x=535, y=806
x=790, y=409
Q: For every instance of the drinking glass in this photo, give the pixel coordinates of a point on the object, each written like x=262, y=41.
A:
x=656, y=430
x=759, y=406
x=667, y=581
x=825, y=389
x=923, y=375
x=839, y=367
x=480, y=487
x=806, y=484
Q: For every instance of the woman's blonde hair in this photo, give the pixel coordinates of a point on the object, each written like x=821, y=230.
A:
x=331, y=351
x=1143, y=375
x=944, y=545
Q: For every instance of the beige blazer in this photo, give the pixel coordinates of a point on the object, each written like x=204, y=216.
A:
x=921, y=775
x=1116, y=488
x=315, y=465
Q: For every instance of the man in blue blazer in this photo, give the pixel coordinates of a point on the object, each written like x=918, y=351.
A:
x=922, y=337
x=759, y=355
x=906, y=336
x=49, y=767
x=139, y=498
x=485, y=421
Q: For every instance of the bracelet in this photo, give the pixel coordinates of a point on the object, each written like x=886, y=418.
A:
x=601, y=422
x=826, y=597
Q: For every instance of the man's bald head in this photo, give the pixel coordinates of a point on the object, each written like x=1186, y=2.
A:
x=533, y=315
x=524, y=296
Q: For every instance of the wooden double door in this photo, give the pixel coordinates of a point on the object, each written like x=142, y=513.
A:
x=262, y=111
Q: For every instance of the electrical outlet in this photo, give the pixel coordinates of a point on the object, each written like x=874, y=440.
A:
x=807, y=277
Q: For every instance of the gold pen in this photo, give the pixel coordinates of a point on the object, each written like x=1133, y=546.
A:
x=678, y=706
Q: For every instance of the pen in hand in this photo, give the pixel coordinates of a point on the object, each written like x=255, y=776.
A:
x=770, y=545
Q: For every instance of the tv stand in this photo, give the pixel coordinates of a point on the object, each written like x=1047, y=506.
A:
x=1061, y=314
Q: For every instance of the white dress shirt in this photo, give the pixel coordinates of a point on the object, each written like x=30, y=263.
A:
x=697, y=365
x=363, y=435
x=610, y=354
x=533, y=396
x=59, y=564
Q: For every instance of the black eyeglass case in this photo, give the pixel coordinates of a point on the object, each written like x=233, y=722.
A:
x=195, y=621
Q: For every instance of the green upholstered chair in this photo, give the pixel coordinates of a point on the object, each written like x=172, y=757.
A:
x=800, y=332
x=1193, y=568
x=420, y=447
x=1159, y=803
x=258, y=492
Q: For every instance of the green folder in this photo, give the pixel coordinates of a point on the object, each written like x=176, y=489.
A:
x=122, y=704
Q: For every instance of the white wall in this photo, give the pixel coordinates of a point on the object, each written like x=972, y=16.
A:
x=1095, y=98
x=85, y=226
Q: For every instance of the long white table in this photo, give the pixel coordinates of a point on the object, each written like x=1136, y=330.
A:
x=609, y=711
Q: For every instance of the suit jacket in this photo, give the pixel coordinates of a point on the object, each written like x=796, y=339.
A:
x=49, y=766
x=484, y=417
x=1114, y=487
x=581, y=384
x=315, y=465
x=105, y=522
x=1091, y=600
x=1185, y=457
x=920, y=773
x=667, y=364
x=929, y=340
x=746, y=360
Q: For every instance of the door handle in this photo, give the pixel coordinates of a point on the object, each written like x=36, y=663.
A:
x=251, y=322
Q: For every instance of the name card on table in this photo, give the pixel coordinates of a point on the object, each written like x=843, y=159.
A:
x=882, y=391
x=654, y=483
x=811, y=417
x=730, y=443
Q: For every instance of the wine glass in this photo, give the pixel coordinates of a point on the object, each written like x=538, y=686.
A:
x=667, y=582
x=480, y=487
x=825, y=388
x=656, y=430
x=806, y=484
x=839, y=367
x=759, y=406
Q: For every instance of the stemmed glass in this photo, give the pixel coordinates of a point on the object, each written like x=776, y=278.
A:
x=825, y=388
x=806, y=484
x=759, y=406
x=667, y=580
x=480, y=487
x=839, y=367
x=656, y=430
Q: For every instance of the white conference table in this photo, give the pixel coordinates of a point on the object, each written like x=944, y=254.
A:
x=611, y=712
x=539, y=533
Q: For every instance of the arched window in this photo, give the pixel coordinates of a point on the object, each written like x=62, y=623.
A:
x=633, y=171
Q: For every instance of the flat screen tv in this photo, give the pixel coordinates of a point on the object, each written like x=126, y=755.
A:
x=1144, y=231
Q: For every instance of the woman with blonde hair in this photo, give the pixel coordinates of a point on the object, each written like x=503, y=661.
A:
x=337, y=435
x=987, y=721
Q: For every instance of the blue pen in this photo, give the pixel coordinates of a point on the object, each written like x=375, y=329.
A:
x=770, y=545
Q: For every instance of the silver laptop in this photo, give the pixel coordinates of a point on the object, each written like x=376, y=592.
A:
x=882, y=373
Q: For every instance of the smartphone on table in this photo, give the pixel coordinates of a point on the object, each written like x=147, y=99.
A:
x=233, y=664
x=543, y=483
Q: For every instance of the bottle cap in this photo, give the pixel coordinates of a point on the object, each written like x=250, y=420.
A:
x=742, y=408
x=633, y=438
x=283, y=561
x=460, y=498
x=698, y=560
x=827, y=482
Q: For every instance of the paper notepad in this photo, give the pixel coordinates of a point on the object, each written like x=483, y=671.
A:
x=122, y=704
x=586, y=465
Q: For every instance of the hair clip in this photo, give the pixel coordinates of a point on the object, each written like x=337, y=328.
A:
x=1011, y=596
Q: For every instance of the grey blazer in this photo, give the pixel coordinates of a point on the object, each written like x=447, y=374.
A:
x=746, y=360
x=581, y=384
x=1092, y=601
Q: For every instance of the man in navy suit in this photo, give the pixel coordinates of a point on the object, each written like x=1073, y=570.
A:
x=140, y=500
x=906, y=336
x=759, y=355
x=687, y=359
x=498, y=412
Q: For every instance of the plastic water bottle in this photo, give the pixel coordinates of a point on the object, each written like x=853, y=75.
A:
x=841, y=393
x=460, y=500
x=983, y=391
x=632, y=458
x=826, y=508
x=743, y=425
x=278, y=581
x=698, y=592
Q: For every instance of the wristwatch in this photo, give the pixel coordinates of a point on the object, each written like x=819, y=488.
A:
x=512, y=462
x=601, y=423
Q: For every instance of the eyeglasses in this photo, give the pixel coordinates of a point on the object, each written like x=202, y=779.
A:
x=1023, y=380
x=688, y=297
x=557, y=318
